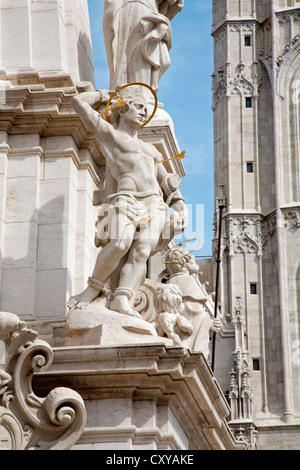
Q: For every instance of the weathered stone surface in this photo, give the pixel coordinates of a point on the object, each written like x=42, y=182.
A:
x=60, y=28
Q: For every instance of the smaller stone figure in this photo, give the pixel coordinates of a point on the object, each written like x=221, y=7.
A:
x=183, y=272
x=169, y=306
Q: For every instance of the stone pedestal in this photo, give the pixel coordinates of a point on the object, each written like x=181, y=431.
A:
x=102, y=327
x=143, y=397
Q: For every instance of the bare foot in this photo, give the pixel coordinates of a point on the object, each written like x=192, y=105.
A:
x=84, y=299
x=121, y=304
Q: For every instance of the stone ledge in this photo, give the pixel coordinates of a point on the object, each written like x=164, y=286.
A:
x=169, y=378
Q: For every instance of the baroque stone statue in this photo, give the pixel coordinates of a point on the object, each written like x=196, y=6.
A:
x=138, y=39
x=183, y=272
x=133, y=221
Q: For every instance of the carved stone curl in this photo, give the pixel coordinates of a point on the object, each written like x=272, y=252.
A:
x=28, y=422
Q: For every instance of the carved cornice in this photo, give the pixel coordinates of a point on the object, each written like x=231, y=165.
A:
x=28, y=109
x=174, y=377
x=244, y=24
x=246, y=234
x=285, y=16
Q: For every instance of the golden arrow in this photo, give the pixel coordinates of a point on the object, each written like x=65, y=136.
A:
x=119, y=103
x=142, y=221
x=181, y=156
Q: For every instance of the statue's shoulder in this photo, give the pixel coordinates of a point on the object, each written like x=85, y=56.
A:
x=189, y=285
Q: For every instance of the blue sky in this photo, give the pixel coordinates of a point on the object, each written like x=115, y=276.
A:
x=185, y=91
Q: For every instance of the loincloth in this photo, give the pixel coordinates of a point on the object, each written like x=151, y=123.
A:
x=138, y=210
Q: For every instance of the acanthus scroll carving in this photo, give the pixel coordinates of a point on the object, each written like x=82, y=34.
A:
x=28, y=422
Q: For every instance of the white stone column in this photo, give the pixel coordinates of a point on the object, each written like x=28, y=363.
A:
x=20, y=229
x=46, y=37
x=86, y=251
x=3, y=177
x=16, y=45
x=57, y=227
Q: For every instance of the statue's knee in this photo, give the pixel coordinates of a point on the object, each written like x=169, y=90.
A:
x=142, y=253
x=121, y=247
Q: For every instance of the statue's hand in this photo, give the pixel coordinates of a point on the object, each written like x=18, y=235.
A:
x=178, y=3
x=88, y=87
x=182, y=216
x=106, y=95
x=174, y=7
x=83, y=87
x=216, y=325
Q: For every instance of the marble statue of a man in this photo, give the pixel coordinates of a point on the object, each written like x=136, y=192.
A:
x=138, y=39
x=133, y=218
x=183, y=271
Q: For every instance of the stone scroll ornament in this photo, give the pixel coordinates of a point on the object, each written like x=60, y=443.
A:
x=138, y=39
x=28, y=422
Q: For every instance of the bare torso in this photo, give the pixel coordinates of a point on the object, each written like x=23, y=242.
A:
x=132, y=164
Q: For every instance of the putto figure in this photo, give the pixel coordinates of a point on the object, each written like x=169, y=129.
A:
x=133, y=218
x=170, y=318
x=138, y=39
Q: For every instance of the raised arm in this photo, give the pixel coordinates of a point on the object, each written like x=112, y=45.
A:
x=169, y=182
x=84, y=104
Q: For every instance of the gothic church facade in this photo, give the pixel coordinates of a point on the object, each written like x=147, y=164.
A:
x=257, y=175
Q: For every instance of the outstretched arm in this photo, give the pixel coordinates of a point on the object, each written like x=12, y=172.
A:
x=170, y=184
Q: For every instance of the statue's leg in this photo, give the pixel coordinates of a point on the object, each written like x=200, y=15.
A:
x=107, y=261
x=132, y=275
x=134, y=271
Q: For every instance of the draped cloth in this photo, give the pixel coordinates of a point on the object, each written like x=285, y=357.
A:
x=138, y=39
